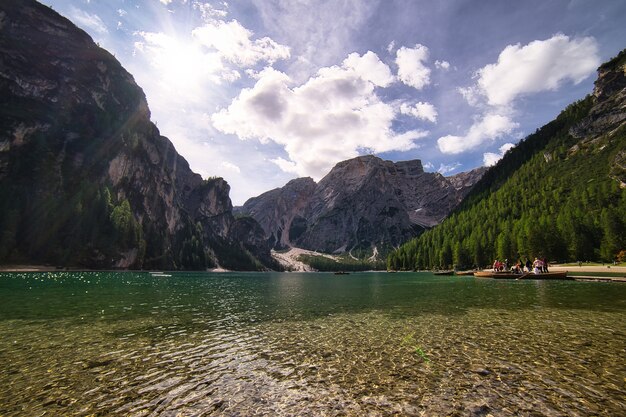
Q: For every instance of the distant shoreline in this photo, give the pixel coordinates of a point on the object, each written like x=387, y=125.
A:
x=38, y=268
x=48, y=268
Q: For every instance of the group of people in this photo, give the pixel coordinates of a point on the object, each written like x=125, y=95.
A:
x=537, y=266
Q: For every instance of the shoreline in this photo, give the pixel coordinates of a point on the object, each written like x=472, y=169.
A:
x=584, y=268
x=39, y=268
x=302, y=268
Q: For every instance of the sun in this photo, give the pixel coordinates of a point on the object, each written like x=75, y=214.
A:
x=181, y=65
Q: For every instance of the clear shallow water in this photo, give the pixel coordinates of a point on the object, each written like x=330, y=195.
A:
x=199, y=344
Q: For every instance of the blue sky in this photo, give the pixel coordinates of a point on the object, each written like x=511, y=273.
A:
x=263, y=91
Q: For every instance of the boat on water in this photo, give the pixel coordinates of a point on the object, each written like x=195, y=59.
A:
x=342, y=273
x=158, y=274
x=443, y=272
x=523, y=275
x=464, y=273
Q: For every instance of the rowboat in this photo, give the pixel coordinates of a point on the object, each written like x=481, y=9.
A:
x=524, y=275
x=443, y=273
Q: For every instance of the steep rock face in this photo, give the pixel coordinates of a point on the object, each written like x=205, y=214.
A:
x=609, y=109
x=607, y=117
x=362, y=204
x=355, y=206
x=85, y=177
x=276, y=209
x=465, y=180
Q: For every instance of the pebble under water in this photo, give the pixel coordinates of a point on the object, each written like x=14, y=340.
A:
x=291, y=344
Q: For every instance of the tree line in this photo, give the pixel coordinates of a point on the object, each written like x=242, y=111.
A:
x=551, y=196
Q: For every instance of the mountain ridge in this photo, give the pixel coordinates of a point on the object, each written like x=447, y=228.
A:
x=364, y=204
x=86, y=179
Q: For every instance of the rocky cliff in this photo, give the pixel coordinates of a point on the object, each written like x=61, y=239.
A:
x=279, y=211
x=85, y=176
x=364, y=205
x=607, y=117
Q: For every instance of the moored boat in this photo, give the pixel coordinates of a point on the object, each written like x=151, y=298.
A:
x=524, y=275
x=443, y=272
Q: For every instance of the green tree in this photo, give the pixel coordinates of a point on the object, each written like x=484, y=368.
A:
x=612, y=235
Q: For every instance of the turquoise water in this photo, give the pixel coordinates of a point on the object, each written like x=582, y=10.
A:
x=273, y=344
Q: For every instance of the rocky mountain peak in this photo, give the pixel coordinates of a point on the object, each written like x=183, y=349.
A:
x=410, y=168
x=364, y=204
x=611, y=77
x=609, y=101
x=607, y=117
x=465, y=180
x=81, y=160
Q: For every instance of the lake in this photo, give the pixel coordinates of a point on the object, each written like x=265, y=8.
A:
x=309, y=344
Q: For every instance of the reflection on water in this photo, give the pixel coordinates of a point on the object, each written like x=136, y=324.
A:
x=309, y=345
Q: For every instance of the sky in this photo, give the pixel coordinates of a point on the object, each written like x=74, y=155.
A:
x=263, y=91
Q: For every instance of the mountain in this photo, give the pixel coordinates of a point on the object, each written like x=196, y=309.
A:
x=86, y=179
x=366, y=205
x=560, y=193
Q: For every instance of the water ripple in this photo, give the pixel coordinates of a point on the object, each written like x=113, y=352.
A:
x=188, y=361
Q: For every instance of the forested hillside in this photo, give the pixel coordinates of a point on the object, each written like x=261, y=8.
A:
x=560, y=193
x=86, y=179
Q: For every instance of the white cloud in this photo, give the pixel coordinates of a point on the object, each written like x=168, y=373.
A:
x=421, y=110
x=411, y=68
x=444, y=65
x=165, y=2
x=490, y=127
x=208, y=11
x=286, y=166
x=233, y=42
x=428, y=166
x=370, y=68
x=542, y=65
x=490, y=158
x=391, y=46
x=90, y=21
x=470, y=94
x=320, y=32
x=213, y=53
x=231, y=167
x=333, y=116
x=448, y=168
x=122, y=12
x=538, y=66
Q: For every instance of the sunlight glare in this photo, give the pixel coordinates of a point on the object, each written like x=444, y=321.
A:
x=182, y=65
